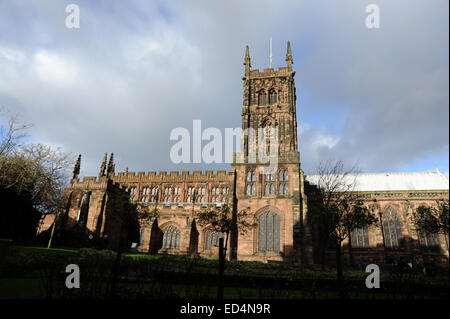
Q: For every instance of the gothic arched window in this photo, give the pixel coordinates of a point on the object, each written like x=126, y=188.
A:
x=281, y=189
x=283, y=177
x=270, y=177
x=171, y=238
x=272, y=97
x=251, y=179
x=133, y=192
x=145, y=192
x=154, y=194
x=360, y=237
x=141, y=235
x=392, y=229
x=212, y=239
x=84, y=209
x=269, y=232
x=429, y=241
x=262, y=98
x=270, y=189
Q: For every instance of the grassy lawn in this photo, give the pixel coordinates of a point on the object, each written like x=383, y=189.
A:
x=49, y=251
x=34, y=288
x=162, y=276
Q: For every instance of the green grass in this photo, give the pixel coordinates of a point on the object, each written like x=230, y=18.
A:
x=232, y=267
x=33, y=288
x=30, y=284
x=45, y=250
x=142, y=256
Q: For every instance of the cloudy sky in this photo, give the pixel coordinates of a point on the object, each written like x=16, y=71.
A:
x=135, y=70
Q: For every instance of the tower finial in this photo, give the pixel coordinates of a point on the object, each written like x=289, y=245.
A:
x=289, y=59
x=247, y=61
x=103, y=166
x=111, y=166
x=76, y=169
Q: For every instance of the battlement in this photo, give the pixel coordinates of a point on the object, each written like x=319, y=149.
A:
x=162, y=176
x=270, y=72
x=89, y=182
x=94, y=182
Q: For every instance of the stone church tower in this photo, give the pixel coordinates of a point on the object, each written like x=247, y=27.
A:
x=276, y=197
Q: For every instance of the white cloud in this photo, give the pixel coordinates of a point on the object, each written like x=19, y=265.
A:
x=11, y=55
x=135, y=70
x=54, y=68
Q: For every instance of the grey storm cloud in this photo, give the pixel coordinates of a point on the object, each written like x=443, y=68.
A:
x=135, y=70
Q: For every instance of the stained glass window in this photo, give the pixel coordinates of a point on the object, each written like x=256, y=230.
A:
x=360, y=237
x=250, y=188
x=269, y=232
x=141, y=236
x=429, y=241
x=212, y=239
x=392, y=229
x=262, y=98
x=273, y=97
x=171, y=238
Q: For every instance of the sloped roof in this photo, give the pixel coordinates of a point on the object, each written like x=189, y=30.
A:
x=367, y=182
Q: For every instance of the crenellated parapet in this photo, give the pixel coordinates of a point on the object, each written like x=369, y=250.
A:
x=174, y=176
x=270, y=72
x=89, y=182
x=95, y=183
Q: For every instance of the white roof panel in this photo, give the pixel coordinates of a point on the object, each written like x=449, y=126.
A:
x=367, y=182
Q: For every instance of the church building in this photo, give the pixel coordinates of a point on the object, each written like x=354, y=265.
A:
x=278, y=199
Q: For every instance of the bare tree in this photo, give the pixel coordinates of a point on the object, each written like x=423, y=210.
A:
x=39, y=171
x=12, y=132
x=331, y=184
x=32, y=176
x=337, y=210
